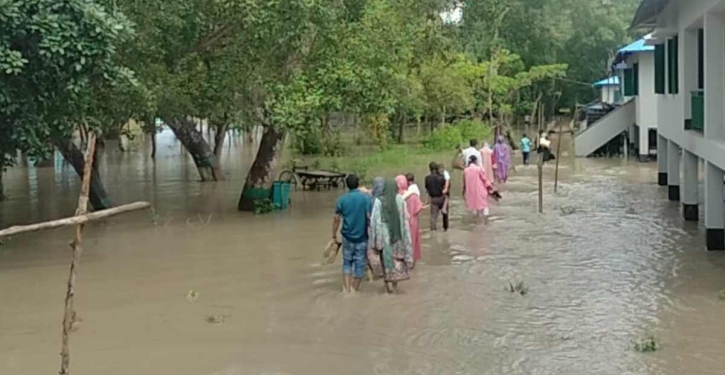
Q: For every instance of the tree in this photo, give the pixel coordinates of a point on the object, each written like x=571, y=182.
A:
x=54, y=58
x=579, y=33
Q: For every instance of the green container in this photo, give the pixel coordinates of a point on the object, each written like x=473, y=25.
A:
x=281, y=195
x=698, y=110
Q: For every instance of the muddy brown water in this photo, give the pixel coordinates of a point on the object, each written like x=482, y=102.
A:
x=610, y=261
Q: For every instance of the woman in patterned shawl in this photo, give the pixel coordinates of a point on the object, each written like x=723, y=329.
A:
x=390, y=233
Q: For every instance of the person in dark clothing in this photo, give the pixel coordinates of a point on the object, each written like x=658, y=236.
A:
x=435, y=186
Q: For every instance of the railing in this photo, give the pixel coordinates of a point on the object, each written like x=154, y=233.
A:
x=698, y=111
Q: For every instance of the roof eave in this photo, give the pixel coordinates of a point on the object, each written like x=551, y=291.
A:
x=647, y=13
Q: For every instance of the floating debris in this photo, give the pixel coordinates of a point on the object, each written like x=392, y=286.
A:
x=721, y=294
x=193, y=295
x=461, y=259
x=568, y=210
x=630, y=211
x=215, y=319
x=519, y=288
x=647, y=345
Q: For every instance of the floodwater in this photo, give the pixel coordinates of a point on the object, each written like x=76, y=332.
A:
x=609, y=262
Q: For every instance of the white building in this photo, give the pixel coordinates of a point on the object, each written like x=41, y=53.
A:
x=637, y=104
x=634, y=61
x=689, y=80
x=609, y=90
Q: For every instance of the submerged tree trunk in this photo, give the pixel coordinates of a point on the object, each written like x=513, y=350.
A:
x=153, y=145
x=193, y=140
x=401, y=129
x=2, y=188
x=73, y=155
x=221, y=133
x=261, y=175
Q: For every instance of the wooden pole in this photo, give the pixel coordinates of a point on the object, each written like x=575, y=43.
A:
x=69, y=313
x=558, y=153
x=75, y=220
x=540, y=165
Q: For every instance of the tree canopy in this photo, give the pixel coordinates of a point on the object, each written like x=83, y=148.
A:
x=287, y=65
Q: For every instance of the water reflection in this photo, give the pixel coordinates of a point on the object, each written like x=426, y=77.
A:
x=609, y=261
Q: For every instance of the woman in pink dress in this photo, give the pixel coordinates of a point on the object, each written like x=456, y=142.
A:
x=476, y=188
x=415, y=206
x=487, y=162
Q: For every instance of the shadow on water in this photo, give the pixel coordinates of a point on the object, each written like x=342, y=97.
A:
x=608, y=262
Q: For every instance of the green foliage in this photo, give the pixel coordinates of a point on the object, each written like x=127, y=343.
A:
x=378, y=126
x=580, y=33
x=263, y=206
x=647, y=345
x=458, y=135
x=721, y=295
x=57, y=59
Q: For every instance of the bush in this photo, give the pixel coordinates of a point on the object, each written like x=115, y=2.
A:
x=307, y=142
x=458, y=135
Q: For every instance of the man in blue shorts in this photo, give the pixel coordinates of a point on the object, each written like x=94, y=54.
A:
x=353, y=210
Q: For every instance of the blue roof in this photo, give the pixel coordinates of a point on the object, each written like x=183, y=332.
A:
x=611, y=81
x=636, y=47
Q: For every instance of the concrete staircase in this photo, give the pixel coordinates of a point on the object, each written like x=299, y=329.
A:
x=605, y=129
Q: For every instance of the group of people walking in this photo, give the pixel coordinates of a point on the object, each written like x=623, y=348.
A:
x=381, y=227
x=380, y=231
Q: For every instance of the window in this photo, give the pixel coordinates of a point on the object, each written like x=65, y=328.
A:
x=672, y=66
x=659, y=69
x=629, y=89
x=635, y=78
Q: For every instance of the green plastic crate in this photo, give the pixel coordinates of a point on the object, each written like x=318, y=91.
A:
x=281, y=195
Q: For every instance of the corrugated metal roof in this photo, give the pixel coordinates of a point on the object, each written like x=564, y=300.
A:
x=611, y=81
x=646, y=15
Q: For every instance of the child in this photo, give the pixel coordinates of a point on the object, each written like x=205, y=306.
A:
x=412, y=186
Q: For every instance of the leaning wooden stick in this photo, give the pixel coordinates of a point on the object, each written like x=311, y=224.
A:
x=69, y=312
x=75, y=220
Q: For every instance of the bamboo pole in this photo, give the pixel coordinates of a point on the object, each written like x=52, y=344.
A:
x=558, y=153
x=540, y=166
x=558, y=146
x=75, y=220
x=69, y=312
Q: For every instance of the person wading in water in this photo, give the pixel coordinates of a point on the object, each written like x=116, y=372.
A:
x=353, y=210
x=435, y=185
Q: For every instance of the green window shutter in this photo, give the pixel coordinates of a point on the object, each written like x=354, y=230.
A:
x=672, y=66
x=629, y=82
x=659, y=69
x=635, y=78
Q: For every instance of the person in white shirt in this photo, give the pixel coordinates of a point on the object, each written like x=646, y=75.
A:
x=545, y=147
x=472, y=151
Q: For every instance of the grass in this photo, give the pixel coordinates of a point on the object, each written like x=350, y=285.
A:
x=721, y=295
x=369, y=161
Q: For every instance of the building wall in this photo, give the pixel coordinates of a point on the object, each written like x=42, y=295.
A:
x=608, y=93
x=646, y=116
x=678, y=16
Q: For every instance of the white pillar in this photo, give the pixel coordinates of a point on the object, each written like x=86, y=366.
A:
x=673, y=171
x=714, y=73
x=690, y=186
x=643, y=143
x=714, y=215
x=661, y=160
